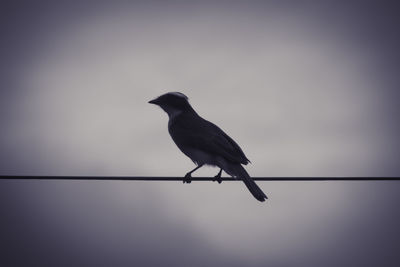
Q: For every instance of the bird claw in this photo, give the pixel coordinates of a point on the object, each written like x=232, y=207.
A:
x=218, y=178
x=187, y=179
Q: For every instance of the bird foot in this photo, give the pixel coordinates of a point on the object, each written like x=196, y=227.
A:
x=187, y=179
x=218, y=178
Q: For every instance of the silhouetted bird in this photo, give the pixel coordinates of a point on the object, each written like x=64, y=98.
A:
x=204, y=142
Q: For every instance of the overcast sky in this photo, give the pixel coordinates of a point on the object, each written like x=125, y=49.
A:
x=305, y=88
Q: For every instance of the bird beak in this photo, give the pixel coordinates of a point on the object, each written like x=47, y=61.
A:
x=154, y=101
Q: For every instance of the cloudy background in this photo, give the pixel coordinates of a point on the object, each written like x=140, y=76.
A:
x=307, y=88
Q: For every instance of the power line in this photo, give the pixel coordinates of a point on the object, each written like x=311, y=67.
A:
x=161, y=178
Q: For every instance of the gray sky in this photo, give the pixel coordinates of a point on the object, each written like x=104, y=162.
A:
x=306, y=89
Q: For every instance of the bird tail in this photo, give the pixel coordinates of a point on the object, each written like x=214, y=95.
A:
x=239, y=172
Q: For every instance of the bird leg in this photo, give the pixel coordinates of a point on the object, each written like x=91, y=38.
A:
x=218, y=177
x=188, y=175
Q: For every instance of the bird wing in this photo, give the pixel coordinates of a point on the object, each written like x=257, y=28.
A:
x=203, y=135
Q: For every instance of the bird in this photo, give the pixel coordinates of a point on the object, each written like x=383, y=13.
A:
x=204, y=142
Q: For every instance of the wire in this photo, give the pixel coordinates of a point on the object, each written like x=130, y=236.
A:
x=160, y=178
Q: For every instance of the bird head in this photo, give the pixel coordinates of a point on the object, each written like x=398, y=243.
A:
x=173, y=103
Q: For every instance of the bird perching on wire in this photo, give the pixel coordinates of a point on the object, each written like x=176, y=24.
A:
x=204, y=142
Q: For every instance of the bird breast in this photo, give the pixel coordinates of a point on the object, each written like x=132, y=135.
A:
x=200, y=157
